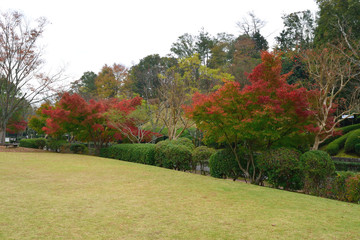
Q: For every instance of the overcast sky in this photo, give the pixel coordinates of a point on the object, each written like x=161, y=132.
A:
x=85, y=35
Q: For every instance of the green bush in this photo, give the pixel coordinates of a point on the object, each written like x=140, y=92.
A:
x=184, y=141
x=352, y=140
x=352, y=193
x=343, y=130
x=338, y=186
x=334, y=147
x=38, y=143
x=56, y=145
x=282, y=167
x=174, y=154
x=357, y=148
x=78, y=148
x=349, y=128
x=201, y=155
x=318, y=167
x=139, y=153
x=223, y=164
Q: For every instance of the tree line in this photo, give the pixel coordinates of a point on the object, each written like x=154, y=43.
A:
x=317, y=52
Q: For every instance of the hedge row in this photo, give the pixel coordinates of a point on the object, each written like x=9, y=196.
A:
x=175, y=154
x=351, y=141
x=347, y=166
x=38, y=143
x=334, y=147
x=139, y=153
x=349, y=128
x=344, y=130
x=53, y=145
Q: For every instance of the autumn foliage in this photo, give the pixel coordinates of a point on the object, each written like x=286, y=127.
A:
x=255, y=116
x=88, y=121
x=15, y=126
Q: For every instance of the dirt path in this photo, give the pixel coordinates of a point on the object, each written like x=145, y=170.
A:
x=19, y=149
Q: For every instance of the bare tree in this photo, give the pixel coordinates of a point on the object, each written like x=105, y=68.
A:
x=331, y=71
x=250, y=25
x=20, y=65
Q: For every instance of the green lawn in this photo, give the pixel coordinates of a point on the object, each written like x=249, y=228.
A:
x=65, y=196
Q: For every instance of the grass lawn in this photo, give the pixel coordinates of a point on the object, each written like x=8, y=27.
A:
x=65, y=196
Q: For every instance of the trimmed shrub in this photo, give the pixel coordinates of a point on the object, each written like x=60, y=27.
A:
x=349, y=128
x=38, y=143
x=357, y=148
x=138, y=153
x=201, y=155
x=317, y=167
x=352, y=193
x=78, y=148
x=343, y=130
x=174, y=154
x=184, y=141
x=334, y=147
x=56, y=145
x=351, y=141
x=223, y=164
x=282, y=167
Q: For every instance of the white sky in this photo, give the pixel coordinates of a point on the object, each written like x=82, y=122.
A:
x=85, y=35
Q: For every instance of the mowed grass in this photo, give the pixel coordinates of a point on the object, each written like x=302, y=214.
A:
x=65, y=196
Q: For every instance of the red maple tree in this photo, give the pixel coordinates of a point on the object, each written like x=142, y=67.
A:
x=88, y=121
x=255, y=116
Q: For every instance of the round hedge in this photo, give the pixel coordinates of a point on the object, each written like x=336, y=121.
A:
x=357, y=149
x=333, y=148
x=351, y=141
x=78, y=148
x=282, y=167
x=202, y=153
x=223, y=164
x=174, y=154
x=317, y=167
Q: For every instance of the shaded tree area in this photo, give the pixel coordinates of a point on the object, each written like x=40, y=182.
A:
x=298, y=32
x=322, y=55
x=144, y=76
x=85, y=86
x=233, y=55
x=335, y=17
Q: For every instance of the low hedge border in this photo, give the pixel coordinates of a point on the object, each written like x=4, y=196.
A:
x=343, y=159
x=138, y=153
x=347, y=166
x=334, y=147
x=344, y=130
x=38, y=143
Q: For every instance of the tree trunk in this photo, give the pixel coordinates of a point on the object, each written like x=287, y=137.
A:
x=316, y=142
x=3, y=132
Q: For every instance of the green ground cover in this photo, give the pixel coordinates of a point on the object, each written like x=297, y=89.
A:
x=65, y=196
